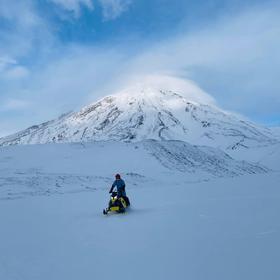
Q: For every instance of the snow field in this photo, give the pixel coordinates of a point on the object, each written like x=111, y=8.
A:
x=182, y=225
x=223, y=229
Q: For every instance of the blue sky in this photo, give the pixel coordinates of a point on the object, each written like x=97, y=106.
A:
x=58, y=55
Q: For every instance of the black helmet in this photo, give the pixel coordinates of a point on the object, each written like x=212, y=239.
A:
x=118, y=176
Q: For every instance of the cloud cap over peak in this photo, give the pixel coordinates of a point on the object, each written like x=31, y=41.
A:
x=155, y=82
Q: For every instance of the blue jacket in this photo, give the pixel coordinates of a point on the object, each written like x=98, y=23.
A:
x=120, y=185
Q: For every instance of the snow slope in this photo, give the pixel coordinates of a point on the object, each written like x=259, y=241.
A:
x=148, y=111
x=276, y=130
x=33, y=170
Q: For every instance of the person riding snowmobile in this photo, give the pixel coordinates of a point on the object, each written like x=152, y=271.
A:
x=120, y=185
x=118, y=201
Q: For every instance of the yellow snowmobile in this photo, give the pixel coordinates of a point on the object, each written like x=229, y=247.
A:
x=116, y=204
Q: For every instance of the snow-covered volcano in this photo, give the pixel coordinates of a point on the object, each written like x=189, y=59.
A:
x=149, y=111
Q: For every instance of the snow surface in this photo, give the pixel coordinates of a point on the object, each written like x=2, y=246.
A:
x=276, y=130
x=267, y=155
x=225, y=229
x=182, y=225
x=66, y=168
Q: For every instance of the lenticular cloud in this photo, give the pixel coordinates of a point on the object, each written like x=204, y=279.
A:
x=186, y=88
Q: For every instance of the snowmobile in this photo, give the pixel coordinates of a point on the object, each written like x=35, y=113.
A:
x=116, y=204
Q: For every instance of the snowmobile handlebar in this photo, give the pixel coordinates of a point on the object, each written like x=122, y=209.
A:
x=113, y=194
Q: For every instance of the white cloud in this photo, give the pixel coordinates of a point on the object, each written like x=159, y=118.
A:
x=26, y=30
x=74, y=5
x=184, y=87
x=20, y=12
x=5, y=61
x=236, y=59
x=14, y=104
x=11, y=70
x=112, y=9
x=17, y=72
x=229, y=43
